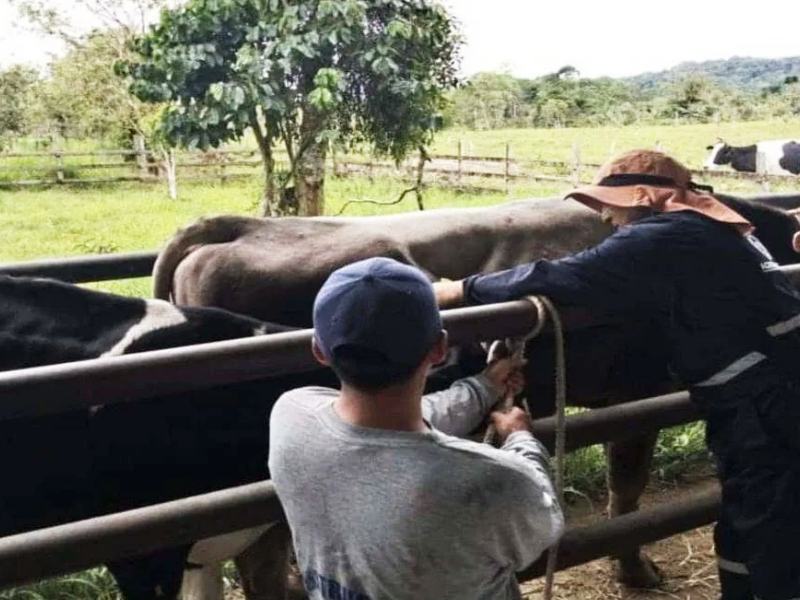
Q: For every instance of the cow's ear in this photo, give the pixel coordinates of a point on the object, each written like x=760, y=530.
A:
x=796, y=241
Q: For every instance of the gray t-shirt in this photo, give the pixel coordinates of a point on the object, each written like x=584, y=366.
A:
x=392, y=515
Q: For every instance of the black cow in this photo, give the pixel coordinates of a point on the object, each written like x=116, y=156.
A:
x=781, y=157
x=79, y=464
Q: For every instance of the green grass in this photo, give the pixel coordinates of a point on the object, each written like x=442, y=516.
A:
x=686, y=142
x=69, y=221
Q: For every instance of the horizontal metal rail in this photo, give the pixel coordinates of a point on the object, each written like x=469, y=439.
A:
x=36, y=555
x=62, y=387
x=620, y=534
x=615, y=423
x=80, y=384
x=84, y=269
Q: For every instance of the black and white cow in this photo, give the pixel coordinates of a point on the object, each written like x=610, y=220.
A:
x=83, y=463
x=79, y=464
x=781, y=157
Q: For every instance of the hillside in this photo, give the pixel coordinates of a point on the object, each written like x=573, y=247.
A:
x=743, y=73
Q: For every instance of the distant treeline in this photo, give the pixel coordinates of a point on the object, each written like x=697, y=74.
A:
x=739, y=89
x=81, y=97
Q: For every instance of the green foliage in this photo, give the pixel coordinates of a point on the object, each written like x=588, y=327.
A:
x=94, y=584
x=82, y=97
x=17, y=85
x=303, y=73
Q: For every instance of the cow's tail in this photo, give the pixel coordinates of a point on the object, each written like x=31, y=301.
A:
x=204, y=231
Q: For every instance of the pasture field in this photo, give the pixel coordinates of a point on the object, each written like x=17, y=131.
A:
x=686, y=142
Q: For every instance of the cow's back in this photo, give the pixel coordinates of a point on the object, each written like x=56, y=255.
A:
x=273, y=271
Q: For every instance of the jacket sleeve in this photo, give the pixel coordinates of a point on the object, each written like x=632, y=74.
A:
x=459, y=409
x=617, y=275
x=527, y=517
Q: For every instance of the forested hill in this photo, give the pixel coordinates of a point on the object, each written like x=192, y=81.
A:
x=742, y=73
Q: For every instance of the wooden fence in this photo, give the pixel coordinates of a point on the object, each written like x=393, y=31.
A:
x=449, y=170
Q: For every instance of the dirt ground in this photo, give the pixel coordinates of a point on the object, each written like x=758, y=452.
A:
x=687, y=560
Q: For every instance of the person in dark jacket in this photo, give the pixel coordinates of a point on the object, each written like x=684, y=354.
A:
x=731, y=319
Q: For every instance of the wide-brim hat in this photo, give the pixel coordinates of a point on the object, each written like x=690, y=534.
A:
x=652, y=179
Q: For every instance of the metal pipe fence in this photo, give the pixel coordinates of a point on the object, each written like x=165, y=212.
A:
x=34, y=555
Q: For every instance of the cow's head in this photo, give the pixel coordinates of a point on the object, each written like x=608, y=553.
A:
x=719, y=154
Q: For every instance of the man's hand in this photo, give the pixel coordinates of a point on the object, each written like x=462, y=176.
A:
x=448, y=293
x=505, y=376
x=510, y=421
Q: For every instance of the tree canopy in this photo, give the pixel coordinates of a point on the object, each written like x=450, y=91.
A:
x=301, y=75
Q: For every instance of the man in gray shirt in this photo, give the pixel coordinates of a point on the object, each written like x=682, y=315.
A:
x=383, y=502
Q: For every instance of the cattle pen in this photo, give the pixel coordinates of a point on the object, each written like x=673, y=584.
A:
x=40, y=554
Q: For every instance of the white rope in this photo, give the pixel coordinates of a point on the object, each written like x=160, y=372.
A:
x=545, y=309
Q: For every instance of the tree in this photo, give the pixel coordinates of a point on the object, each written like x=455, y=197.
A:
x=299, y=73
x=82, y=95
x=16, y=86
x=489, y=101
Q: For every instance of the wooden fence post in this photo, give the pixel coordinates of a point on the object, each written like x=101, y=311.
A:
x=223, y=159
x=169, y=167
x=334, y=160
x=506, y=175
x=576, y=164
x=460, y=152
x=141, y=155
x=761, y=170
x=59, y=168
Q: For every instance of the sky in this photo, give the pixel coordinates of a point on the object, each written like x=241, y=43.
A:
x=529, y=38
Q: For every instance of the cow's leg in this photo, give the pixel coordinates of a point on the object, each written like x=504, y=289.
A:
x=203, y=582
x=628, y=474
x=264, y=566
x=202, y=579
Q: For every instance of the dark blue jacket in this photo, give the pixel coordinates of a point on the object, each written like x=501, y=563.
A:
x=712, y=291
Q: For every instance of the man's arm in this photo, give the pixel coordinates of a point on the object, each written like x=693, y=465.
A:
x=613, y=275
x=528, y=519
x=459, y=409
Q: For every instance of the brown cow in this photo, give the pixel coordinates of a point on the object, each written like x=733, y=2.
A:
x=272, y=268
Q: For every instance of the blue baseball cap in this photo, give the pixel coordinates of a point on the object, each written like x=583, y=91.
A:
x=381, y=306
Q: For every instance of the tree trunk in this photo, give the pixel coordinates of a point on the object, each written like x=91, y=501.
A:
x=309, y=172
x=269, y=206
